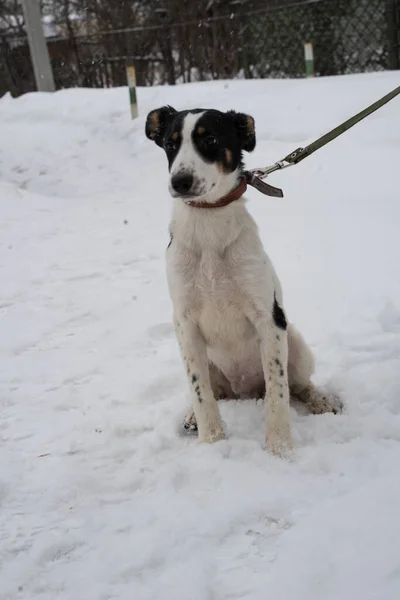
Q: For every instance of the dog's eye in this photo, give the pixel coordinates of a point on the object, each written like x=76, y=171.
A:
x=170, y=145
x=210, y=140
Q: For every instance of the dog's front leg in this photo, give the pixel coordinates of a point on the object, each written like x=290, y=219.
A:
x=194, y=355
x=274, y=356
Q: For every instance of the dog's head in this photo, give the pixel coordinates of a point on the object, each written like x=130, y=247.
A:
x=204, y=149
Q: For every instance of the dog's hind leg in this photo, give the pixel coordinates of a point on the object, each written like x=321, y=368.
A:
x=190, y=422
x=300, y=370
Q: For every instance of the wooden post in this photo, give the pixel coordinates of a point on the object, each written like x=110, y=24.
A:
x=309, y=58
x=131, y=77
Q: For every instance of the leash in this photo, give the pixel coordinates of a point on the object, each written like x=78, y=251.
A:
x=255, y=177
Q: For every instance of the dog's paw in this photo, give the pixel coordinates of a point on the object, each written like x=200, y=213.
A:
x=190, y=423
x=280, y=445
x=319, y=403
x=333, y=404
x=213, y=435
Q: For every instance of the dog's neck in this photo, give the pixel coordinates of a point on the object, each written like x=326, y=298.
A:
x=235, y=194
x=202, y=229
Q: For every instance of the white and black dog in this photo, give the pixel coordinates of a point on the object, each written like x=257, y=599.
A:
x=229, y=320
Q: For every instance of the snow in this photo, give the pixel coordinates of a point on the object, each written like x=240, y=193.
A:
x=102, y=497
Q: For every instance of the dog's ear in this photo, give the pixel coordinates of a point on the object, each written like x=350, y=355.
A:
x=157, y=123
x=244, y=125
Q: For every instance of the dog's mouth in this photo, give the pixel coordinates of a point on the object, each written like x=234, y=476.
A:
x=184, y=196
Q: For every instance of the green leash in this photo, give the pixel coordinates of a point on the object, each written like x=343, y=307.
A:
x=255, y=176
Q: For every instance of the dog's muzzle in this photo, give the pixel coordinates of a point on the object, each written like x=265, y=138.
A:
x=182, y=184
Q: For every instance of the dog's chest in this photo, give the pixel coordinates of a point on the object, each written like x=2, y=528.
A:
x=213, y=280
x=216, y=301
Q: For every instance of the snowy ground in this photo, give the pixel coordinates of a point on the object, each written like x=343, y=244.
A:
x=101, y=497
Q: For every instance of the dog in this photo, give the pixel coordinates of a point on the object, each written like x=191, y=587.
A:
x=228, y=314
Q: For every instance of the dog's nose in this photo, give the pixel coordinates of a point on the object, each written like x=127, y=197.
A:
x=182, y=183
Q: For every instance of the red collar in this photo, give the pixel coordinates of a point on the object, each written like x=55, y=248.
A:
x=235, y=194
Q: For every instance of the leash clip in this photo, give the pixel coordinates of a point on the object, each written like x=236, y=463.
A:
x=255, y=176
x=278, y=166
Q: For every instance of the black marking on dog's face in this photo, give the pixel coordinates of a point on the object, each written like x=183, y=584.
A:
x=204, y=149
x=278, y=315
x=220, y=138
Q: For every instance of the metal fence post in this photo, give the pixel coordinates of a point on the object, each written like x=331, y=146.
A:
x=38, y=47
x=393, y=36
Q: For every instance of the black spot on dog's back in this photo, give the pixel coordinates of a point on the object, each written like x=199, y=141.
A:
x=278, y=315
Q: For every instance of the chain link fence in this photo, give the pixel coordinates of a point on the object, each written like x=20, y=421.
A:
x=348, y=36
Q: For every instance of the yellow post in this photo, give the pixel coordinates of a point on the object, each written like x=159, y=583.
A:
x=131, y=77
x=309, y=57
